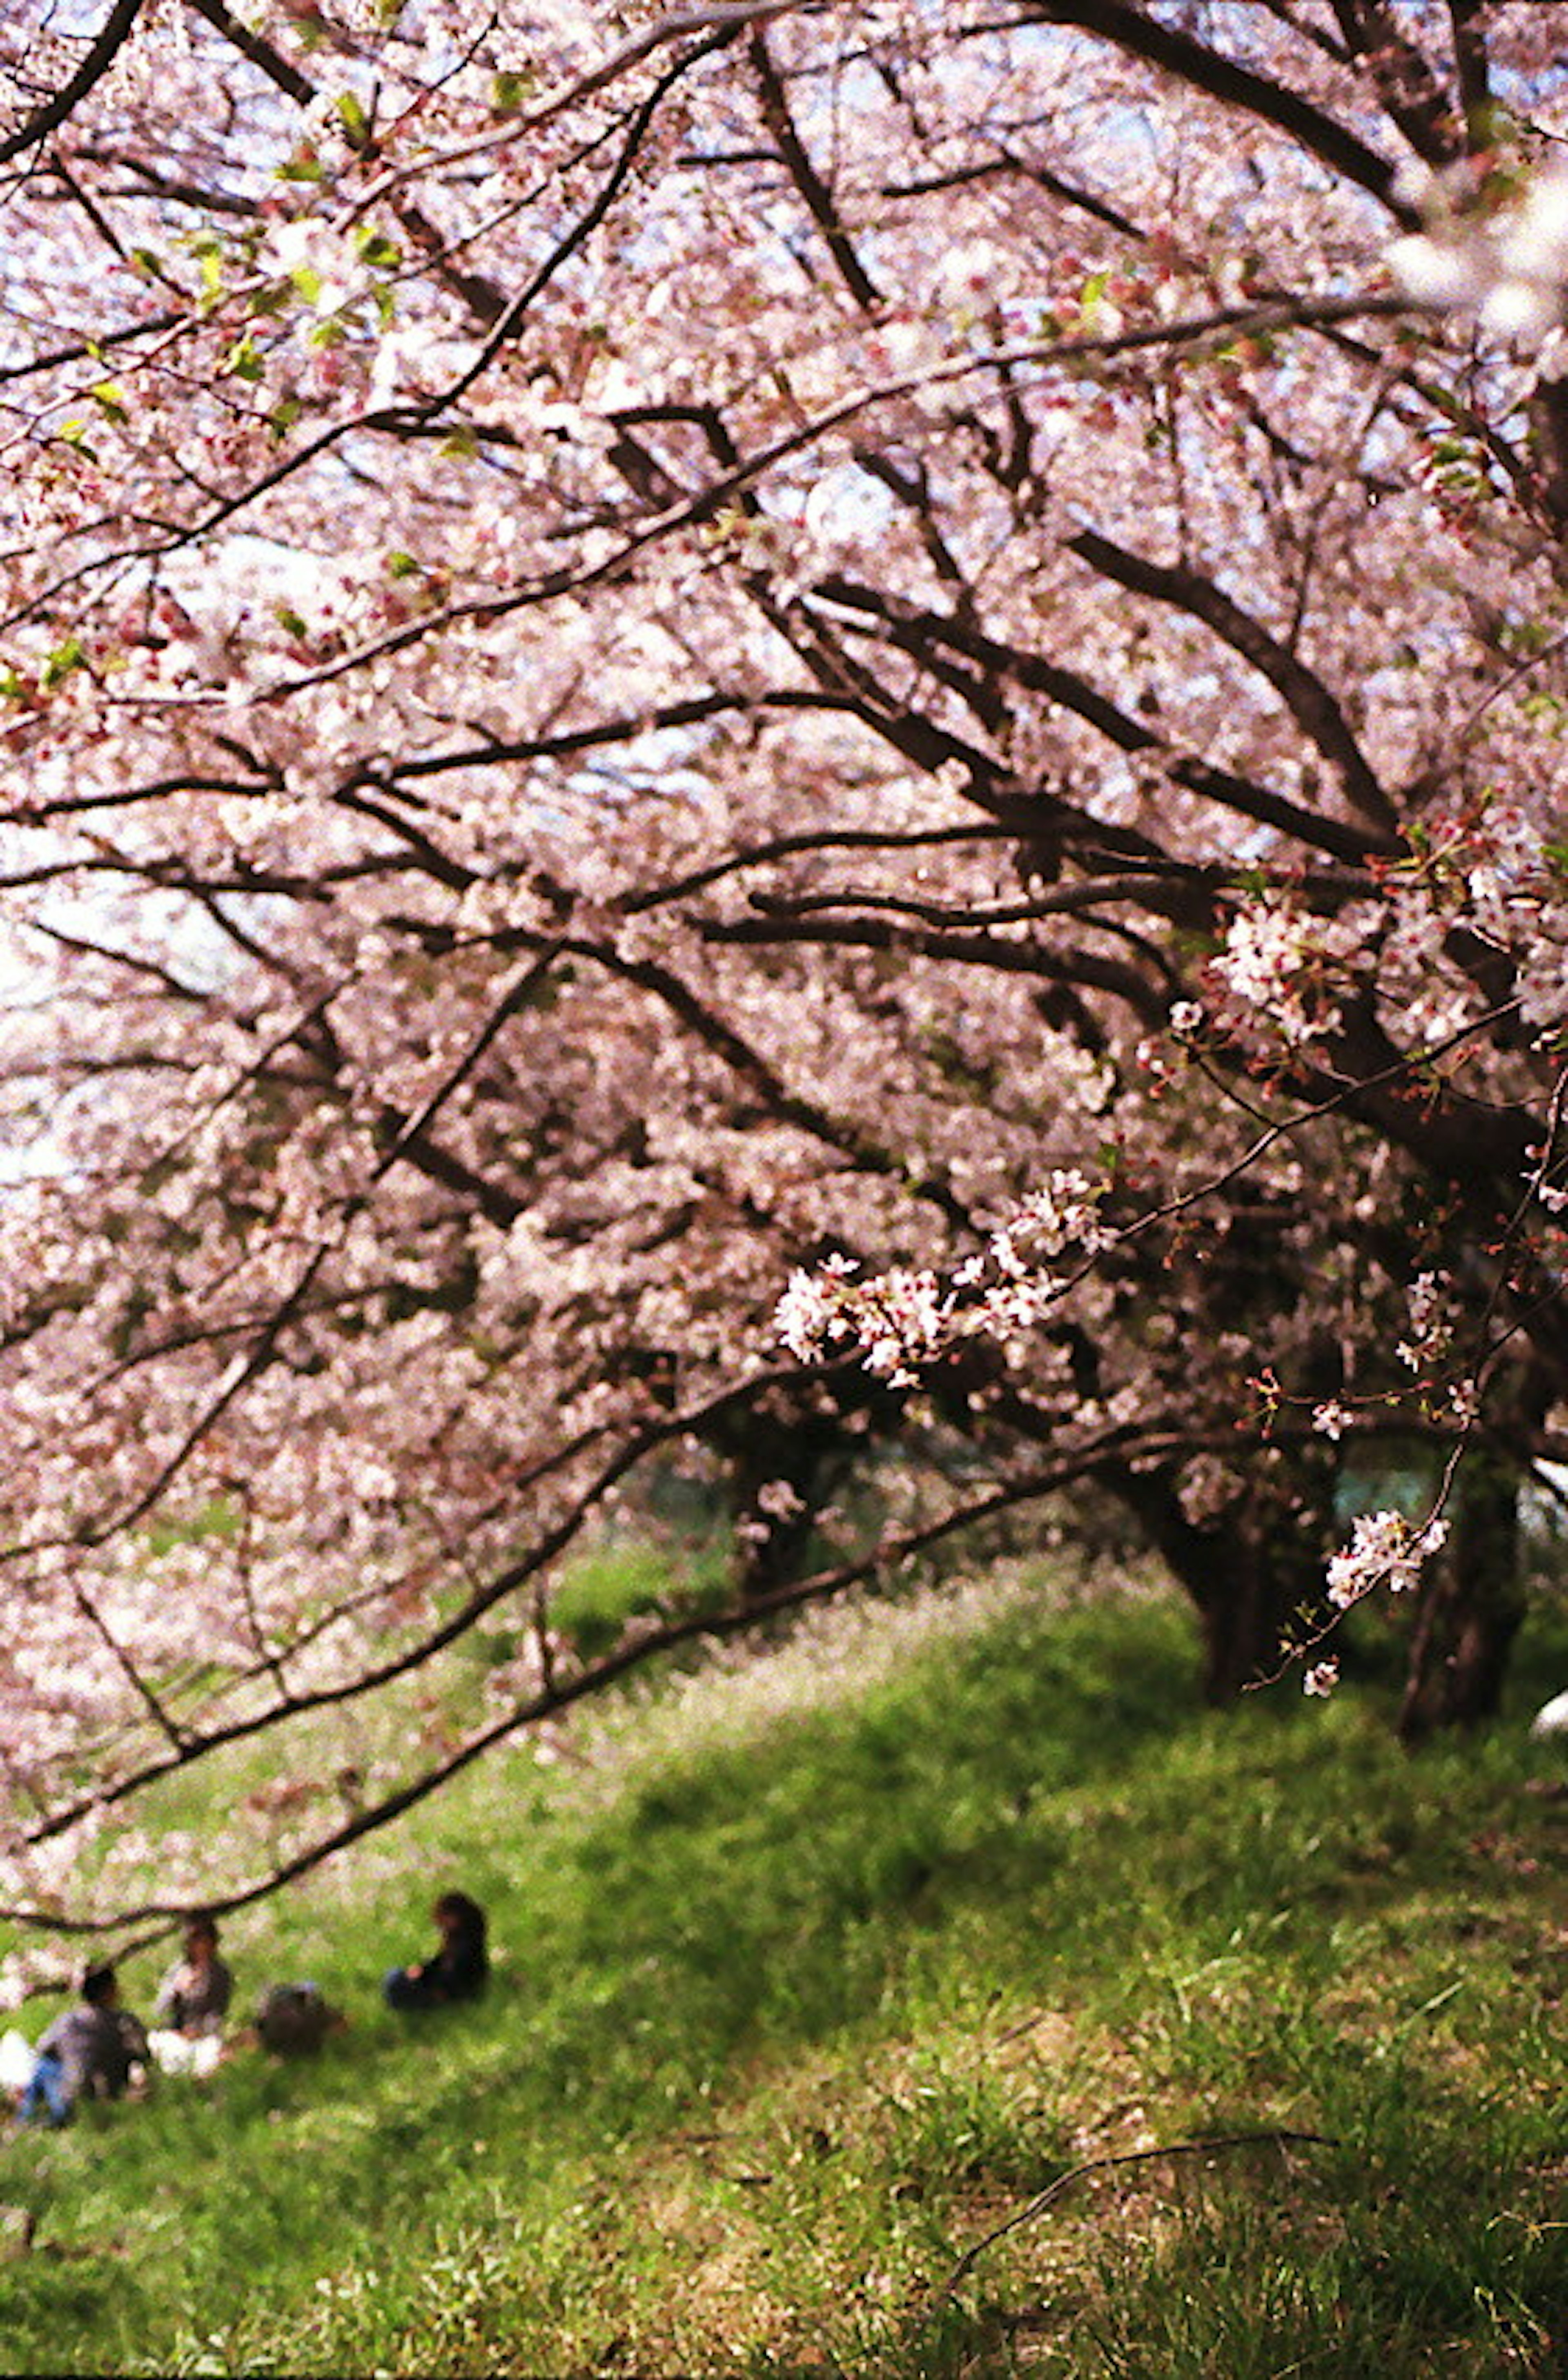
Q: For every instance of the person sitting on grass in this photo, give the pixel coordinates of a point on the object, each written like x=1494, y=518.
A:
x=192, y=2002
x=93, y=2051
x=458, y=1969
x=194, y=1995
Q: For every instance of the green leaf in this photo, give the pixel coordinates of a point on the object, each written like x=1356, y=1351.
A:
x=511, y=90
x=243, y=359
x=68, y=656
x=381, y=254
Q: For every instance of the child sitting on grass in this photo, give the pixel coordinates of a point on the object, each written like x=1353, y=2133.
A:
x=93, y=2051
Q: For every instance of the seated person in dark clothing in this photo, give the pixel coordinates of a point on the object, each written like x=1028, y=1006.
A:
x=458, y=1969
x=88, y=2053
x=195, y=1994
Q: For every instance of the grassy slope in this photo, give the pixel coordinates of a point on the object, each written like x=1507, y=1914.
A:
x=794, y=2011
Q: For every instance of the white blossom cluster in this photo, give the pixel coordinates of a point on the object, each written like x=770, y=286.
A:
x=1063, y=1213
x=1385, y=1550
x=1430, y=1331
x=1509, y=268
x=900, y=1320
x=1268, y=968
x=903, y=1319
x=1516, y=899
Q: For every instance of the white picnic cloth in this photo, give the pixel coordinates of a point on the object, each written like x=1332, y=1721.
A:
x=177, y=2053
x=17, y=2058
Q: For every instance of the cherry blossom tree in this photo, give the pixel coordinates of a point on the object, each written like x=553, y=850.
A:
x=729, y=734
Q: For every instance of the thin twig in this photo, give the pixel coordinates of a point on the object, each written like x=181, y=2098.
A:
x=1052, y=2190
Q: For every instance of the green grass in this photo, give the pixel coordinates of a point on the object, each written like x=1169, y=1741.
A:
x=812, y=1977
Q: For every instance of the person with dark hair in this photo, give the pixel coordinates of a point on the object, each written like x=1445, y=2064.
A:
x=194, y=1995
x=458, y=1969
x=90, y=2052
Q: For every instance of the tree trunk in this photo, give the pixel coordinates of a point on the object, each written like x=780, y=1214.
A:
x=1471, y=1606
x=1254, y=1576
x=1261, y=1600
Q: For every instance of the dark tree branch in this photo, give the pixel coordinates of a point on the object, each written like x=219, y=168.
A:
x=152, y=326
x=913, y=630
x=1473, y=67
x=790, y=846
x=1191, y=61
x=1148, y=1001
x=101, y=55
x=1007, y=162
x=692, y=712
x=1303, y=692
x=1411, y=94
x=278, y=69
x=166, y=185
x=506, y=323
x=1178, y=892
x=813, y=190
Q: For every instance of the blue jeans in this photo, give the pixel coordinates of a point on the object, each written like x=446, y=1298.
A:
x=46, y=2095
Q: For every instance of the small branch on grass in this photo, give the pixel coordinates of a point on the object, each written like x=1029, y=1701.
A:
x=1053, y=2190
x=1016, y=2032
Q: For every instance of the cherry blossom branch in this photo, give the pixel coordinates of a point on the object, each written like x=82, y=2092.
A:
x=1412, y=96
x=978, y=949
x=280, y=71
x=727, y=18
x=690, y=512
x=638, y=1648
x=914, y=629
x=1006, y=162
x=506, y=323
